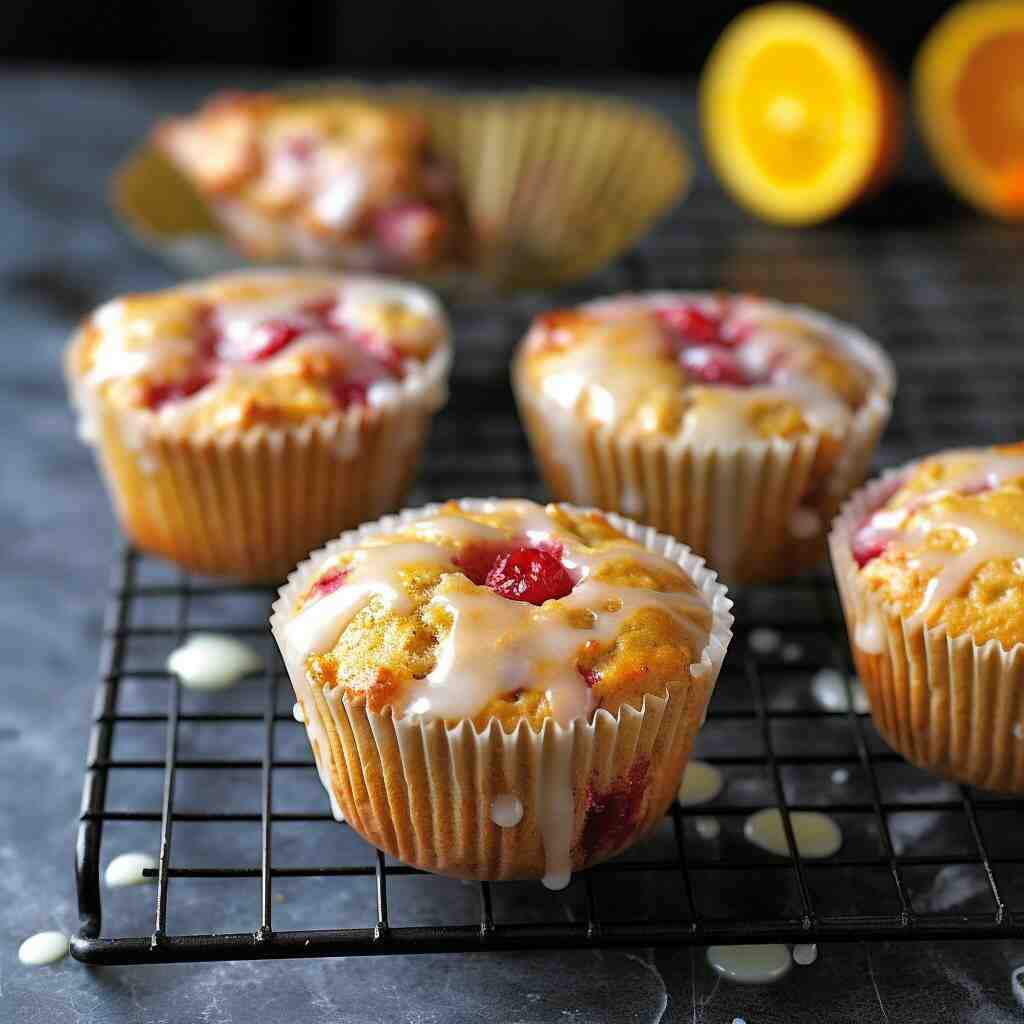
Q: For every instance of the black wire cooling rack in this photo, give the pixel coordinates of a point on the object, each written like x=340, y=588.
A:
x=222, y=785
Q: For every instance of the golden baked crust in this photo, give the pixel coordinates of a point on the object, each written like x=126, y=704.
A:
x=947, y=547
x=707, y=369
x=319, y=177
x=260, y=348
x=630, y=624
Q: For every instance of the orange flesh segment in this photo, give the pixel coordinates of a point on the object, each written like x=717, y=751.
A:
x=989, y=101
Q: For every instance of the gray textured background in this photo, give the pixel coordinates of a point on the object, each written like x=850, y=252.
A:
x=62, y=135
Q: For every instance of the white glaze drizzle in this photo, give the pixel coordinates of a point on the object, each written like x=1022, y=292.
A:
x=506, y=810
x=494, y=645
x=751, y=965
x=590, y=370
x=212, y=661
x=816, y=835
x=127, y=347
x=557, y=813
x=805, y=954
x=702, y=782
x=764, y=641
x=971, y=470
x=127, y=869
x=298, y=714
x=43, y=948
x=829, y=689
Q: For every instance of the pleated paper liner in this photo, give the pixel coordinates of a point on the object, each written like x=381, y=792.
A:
x=758, y=510
x=249, y=504
x=423, y=792
x=945, y=703
x=555, y=185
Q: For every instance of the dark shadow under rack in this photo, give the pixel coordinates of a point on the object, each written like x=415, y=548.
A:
x=923, y=859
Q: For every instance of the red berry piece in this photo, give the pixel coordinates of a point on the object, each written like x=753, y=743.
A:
x=323, y=309
x=387, y=355
x=869, y=542
x=159, y=395
x=713, y=365
x=410, y=233
x=590, y=676
x=350, y=392
x=328, y=583
x=529, y=574
x=268, y=338
x=477, y=560
x=690, y=325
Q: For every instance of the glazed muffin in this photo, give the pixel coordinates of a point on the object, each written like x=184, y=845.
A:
x=734, y=423
x=495, y=689
x=930, y=566
x=320, y=179
x=242, y=420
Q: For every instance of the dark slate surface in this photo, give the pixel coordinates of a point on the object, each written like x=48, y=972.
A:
x=62, y=136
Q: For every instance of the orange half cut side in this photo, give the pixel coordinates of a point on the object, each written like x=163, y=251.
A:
x=969, y=95
x=800, y=117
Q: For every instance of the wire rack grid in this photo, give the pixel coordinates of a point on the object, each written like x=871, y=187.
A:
x=251, y=863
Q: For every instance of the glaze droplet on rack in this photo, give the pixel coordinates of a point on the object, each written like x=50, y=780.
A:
x=212, y=661
x=702, y=782
x=816, y=835
x=128, y=868
x=43, y=948
x=751, y=965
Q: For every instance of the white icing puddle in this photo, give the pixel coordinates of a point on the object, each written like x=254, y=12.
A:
x=764, y=641
x=212, y=661
x=805, y=955
x=1017, y=985
x=816, y=835
x=702, y=782
x=43, y=948
x=829, y=689
x=708, y=828
x=751, y=965
x=869, y=634
x=506, y=810
x=127, y=869
x=298, y=714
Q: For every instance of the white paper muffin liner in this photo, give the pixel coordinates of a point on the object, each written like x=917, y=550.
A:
x=756, y=510
x=250, y=503
x=423, y=792
x=945, y=703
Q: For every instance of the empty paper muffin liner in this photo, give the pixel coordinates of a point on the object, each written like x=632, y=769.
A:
x=568, y=796
x=555, y=185
x=250, y=503
x=757, y=510
x=945, y=703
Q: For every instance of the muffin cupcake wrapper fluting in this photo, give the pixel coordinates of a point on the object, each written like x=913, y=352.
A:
x=945, y=703
x=746, y=506
x=423, y=792
x=250, y=503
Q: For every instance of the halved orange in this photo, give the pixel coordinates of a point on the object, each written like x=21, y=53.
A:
x=969, y=95
x=800, y=117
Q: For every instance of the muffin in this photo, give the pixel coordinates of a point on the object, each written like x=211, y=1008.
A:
x=242, y=420
x=930, y=565
x=320, y=179
x=731, y=422
x=496, y=689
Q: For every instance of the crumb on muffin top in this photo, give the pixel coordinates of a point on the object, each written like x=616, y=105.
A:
x=704, y=368
x=340, y=169
x=947, y=545
x=514, y=612
x=269, y=348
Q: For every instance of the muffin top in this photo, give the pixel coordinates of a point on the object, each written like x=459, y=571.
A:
x=947, y=545
x=513, y=612
x=341, y=169
x=703, y=368
x=271, y=348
